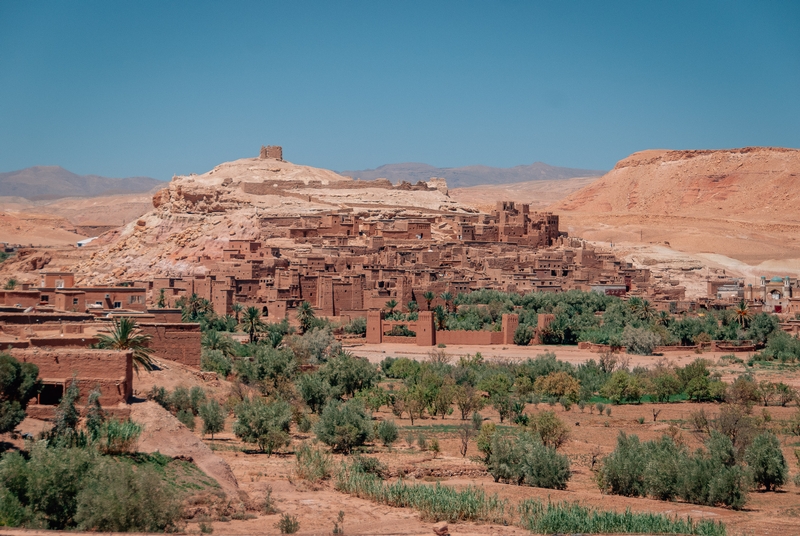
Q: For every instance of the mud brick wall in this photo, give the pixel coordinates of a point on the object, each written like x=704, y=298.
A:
x=469, y=337
x=175, y=342
x=111, y=370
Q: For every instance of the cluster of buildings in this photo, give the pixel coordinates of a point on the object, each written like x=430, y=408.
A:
x=779, y=295
x=345, y=266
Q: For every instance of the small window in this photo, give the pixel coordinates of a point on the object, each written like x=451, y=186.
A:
x=117, y=305
x=98, y=303
x=45, y=297
x=74, y=301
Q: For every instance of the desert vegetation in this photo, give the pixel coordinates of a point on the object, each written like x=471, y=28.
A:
x=85, y=476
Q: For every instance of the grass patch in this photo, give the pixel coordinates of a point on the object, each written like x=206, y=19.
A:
x=434, y=503
x=181, y=476
x=445, y=503
x=646, y=399
x=566, y=517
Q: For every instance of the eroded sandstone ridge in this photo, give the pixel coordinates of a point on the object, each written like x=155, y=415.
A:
x=759, y=183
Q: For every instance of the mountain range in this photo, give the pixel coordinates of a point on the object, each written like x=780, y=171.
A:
x=460, y=177
x=54, y=182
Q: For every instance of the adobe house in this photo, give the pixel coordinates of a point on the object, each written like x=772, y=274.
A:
x=110, y=370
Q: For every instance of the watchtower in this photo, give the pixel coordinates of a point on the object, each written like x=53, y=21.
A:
x=271, y=151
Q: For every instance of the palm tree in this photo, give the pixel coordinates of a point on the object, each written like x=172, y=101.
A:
x=664, y=317
x=305, y=315
x=126, y=336
x=252, y=323
x=412, y=306
x=447, y=297
x=191, y=307
x=212, y=340
x=11, y=284
x=391, y=304
x=441, y=316
x=635, y=305
x=742, y=313
x=237, y=308
x=646, y=310
x=429, y=296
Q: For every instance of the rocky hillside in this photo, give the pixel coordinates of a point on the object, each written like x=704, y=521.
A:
x=461, y=177
x=753, y=183
x=54, y=182
x=738, y=207
x=195, y=216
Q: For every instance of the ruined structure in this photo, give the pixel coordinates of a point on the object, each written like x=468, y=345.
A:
x=271, y=151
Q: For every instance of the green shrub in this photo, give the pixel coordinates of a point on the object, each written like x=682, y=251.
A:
x=216, y=361
x=663, y=470
x=263, y=423
x=18, y=384
x=521, y=459
x=305, y=424
x=422, y=441
x=315, y=390
x=213, y=417
x=313, y=465
x=373, y=398
x=356, y=326
x=160, y=396
x=344, y=426
x=349, y=373
x=623, y=471
x=387, y=432
x=401, y=367
x=549, y=428
x=44, y=489
x=622, y=386
x=765, y=459
x=639, y=341
x=369, y=465
x=119, y=499
x=288, y=524
x=485, y=438
x=558, y=384
x=187, y=418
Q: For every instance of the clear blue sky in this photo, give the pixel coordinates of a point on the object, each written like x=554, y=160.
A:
x=161, y=88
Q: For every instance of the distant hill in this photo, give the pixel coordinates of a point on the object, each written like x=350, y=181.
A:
x=54, y=182
x=471, y=175
x=753, y=183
